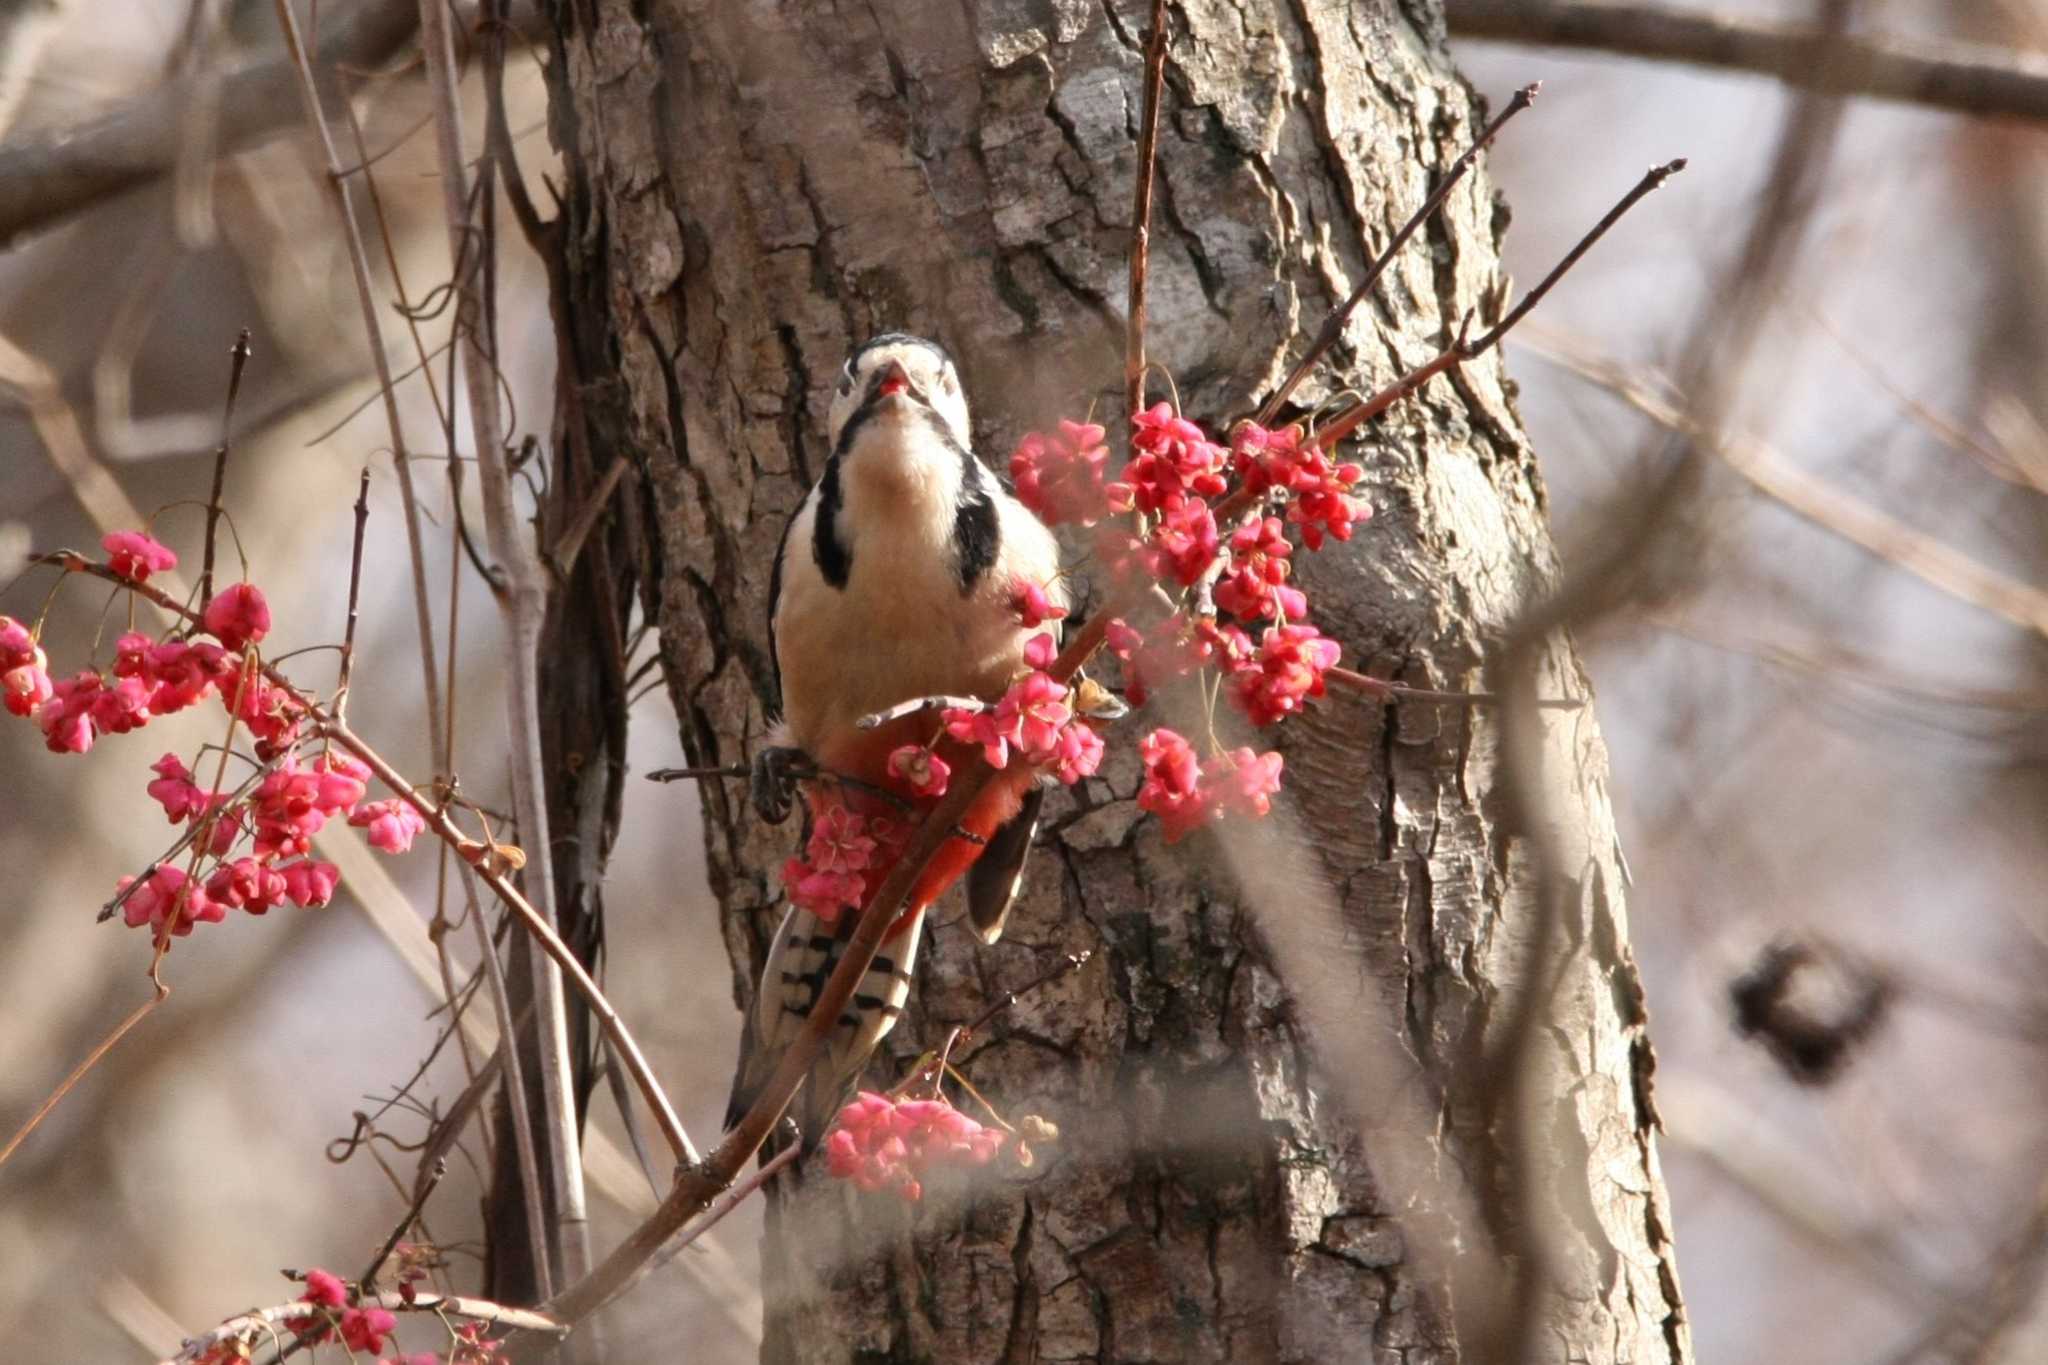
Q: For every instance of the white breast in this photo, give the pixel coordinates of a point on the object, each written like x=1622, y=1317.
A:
x=901, y=627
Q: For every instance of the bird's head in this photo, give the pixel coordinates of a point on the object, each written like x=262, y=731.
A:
x=897, y=375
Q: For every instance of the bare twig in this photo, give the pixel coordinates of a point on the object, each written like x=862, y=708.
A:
x=412, y=1213
x=562, y=554
x=917, y=704
x=1462, y=348
x=524, y=602
x=437, y=819
x=238, y=360
x=355, y=588
x=1966, y=78
x=265, y=1323
x=1141, y=211
x=726, y=1203
x=359, y=264
x=1333, y=326
x=77, y=1073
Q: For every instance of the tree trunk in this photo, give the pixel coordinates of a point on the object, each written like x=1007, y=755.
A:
x=1279, y=1108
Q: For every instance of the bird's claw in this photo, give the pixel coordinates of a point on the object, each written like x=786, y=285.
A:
x=773, y=782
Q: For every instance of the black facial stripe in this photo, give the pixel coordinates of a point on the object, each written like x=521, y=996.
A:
x=849, y=433
x=977, y=533
x=835, y=561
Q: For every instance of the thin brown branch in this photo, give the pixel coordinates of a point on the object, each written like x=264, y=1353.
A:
x=1141, y=210
x=524, y=603
x=77, y=1074
x=1965, y=78
x=359, y=265
x=266, y=1323
x=355, y=588
x=238, y=360
x=1333, y=326
x=53, y=175
x=1462, y=349
x=412, y=1213
x=562, y=554
x=437, y=819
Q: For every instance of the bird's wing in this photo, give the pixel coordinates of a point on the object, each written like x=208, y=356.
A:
x=998, y=874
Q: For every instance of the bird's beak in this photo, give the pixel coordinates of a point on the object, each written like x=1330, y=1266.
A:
x=895, y=379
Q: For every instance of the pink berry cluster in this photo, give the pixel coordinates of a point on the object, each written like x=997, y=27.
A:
x=273, y=824
x=853, y=842
x=1240, y=620
x=881, y=1143
x=337, y=1314
x=1035, y=719
x=856, y=839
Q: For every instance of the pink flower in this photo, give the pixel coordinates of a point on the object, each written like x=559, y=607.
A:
x=1034, y=605
x=24, y=669
x=839, y=841
x=288, y=810
x=884, y=1144
x=177, y=672
x=1172, y=462
x=824, y=894
x=1247, y=786
x=1257, y=582
x=364, y=1329
x=919, y=769
x=27, y=685
x=175, y=790
x=1173, y=649
x=122, y=707
x=995, y=733
x=392, y=823
x=1078, y=753
x=1040, y=651
x=66, y=714
x=1172, y=789
x=325, y=1289
x=1041, y=709
x=339, y=782
x=165, y=892
x=1288, y=670
x=1320, y=500
x=133, y=555
x=307, y=883
x=246, y=884
x=1060, y=477
x=238, y=615
x=1186, y=541
x=17, y=644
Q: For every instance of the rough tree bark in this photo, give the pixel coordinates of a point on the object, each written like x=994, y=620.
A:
x=751, y=189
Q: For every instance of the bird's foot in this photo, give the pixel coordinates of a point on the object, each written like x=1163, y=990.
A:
x=772, y=784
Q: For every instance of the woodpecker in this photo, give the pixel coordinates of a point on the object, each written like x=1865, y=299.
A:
x=895, y=579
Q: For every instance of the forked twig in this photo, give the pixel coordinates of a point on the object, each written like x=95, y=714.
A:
x=1462, y=349
x=1333, y=326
